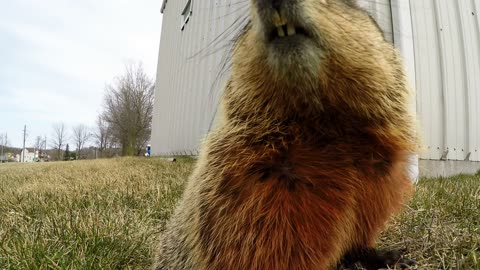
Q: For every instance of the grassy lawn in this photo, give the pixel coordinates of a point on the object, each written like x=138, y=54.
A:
x=102, y=214
x=106, y=214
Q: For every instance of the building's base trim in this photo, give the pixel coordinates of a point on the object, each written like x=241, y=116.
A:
x=446, y=168
x=427, y=168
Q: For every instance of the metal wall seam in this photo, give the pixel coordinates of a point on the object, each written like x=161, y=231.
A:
x=204, y=87
x=156, y=108
x=209, y=47
x=401, y=12
x=464, y=150
x=474, y=93
x=195, y=67
x=216, y=85
x=186, y=98
x=467, y=32
x=176, y=105
x=178, y=118
x=187, y=73
x=172, y=61
x=210, y=62
x=454, y=90
x=217, y=82
x=428, y=81
x=475, y=122
x=157, y=135
x=442, y=77
x=180, y=84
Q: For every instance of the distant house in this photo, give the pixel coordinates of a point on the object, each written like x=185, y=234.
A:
x=30, y=155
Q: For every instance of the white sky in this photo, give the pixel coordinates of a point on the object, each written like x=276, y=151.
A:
x=57, y=55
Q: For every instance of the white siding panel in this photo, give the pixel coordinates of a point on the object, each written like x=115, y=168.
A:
x=447, y=63
x=429, y=87
x=187, y=93
x=474, y=90
x=454, y=78
x=471, y=35
x=403, y=37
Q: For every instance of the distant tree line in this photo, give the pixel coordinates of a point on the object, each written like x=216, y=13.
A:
x=122, y=128
x=124, y=125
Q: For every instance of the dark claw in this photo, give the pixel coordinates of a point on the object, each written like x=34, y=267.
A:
x=406, y=263
x=403, y=265
x=394, y=258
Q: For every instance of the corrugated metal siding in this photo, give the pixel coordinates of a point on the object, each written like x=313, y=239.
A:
x=447, y=58
x=187, y=89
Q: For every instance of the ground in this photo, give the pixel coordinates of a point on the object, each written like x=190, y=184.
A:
x=107, y=214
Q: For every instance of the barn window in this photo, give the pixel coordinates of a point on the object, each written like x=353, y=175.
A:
x=186, y=13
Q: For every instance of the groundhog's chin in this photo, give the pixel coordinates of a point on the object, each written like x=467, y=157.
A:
x=297, y=60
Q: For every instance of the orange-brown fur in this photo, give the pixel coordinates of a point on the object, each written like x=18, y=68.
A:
x=301, y=168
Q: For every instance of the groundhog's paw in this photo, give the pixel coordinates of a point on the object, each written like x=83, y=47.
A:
x=372, y=259
x=376, y=259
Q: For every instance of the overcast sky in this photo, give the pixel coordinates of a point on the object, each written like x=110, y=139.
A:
x=57, y=55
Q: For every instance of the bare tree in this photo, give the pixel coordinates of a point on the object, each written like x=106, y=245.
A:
x=80, y=135
x=3, y=139
x=38, y=143
x=102, y=135
x=128, y=108
x=59, y=137
x=3, y=143
x=41, y=145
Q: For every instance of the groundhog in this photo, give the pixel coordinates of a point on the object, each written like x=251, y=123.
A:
x=309, y=158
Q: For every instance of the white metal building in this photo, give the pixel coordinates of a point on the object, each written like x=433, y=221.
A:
x=439, y=40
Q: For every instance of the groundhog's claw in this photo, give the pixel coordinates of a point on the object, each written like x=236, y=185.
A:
x=405, y=263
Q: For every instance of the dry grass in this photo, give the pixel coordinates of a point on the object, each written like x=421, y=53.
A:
x=440, y=228
x=106, y=214
x=102, y=214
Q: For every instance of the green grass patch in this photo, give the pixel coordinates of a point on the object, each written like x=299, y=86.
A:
x=107, y=214
x=102, y=214
x=440, y=228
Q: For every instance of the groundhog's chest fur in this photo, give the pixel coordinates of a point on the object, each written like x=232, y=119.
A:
x=276, y=197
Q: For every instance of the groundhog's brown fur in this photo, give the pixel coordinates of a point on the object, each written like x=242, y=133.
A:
x=309, y=160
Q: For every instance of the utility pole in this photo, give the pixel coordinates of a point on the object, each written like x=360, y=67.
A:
x=24, y=136
x=3, y=142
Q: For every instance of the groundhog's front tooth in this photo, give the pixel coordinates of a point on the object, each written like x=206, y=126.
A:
x=291, y=29
x=280, y=31
x=276, y=19
x=283, y=16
